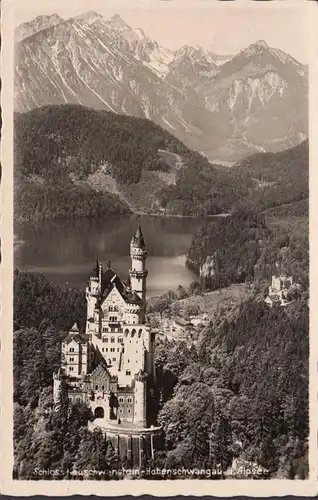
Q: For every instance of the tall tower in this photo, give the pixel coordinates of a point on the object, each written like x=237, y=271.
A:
x=138, y=272
x=94, y=288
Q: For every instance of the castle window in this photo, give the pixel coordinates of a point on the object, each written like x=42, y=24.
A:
x=106, y=349
x=128, y=360
x=71, y=359
x=71, y=368
x=128, y=372
x=120, y=410
x=103, y=387
x=112, y=349
x=117, y=349
x=71, y=349
x=110, y=309
x=102, y=349
x=120, y=340
x=112, y=340
x=105, y=340
x=128, y=411
x=105, y=329
x=114, y=359
x=96, y=387
x=129, y=400
x=121, y=400
x=115, y=308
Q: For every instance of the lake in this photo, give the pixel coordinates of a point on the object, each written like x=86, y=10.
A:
x=64, y=251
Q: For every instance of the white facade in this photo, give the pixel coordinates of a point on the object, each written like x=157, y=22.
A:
x=117, y=348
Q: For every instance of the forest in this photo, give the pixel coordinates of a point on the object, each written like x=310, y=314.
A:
x=240, y=392
x=58, y=148
x=245, y=247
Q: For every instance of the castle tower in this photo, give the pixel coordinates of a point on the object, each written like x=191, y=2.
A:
x=93, y=288
x=58, y=390
x=138, y=272
x=140, y=398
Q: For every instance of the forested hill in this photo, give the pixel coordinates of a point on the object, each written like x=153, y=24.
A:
x=245, y=247
x=71, y=160
x=74, y=161
x=280, y=178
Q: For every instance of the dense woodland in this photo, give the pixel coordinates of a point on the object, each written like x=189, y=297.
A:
x=58, y=148
x=240, y=391
x=244, y=247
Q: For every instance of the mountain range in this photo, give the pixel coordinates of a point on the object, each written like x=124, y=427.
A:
x=225, y=106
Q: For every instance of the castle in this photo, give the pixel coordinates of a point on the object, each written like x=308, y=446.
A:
x=278, y=290
x=109, y=365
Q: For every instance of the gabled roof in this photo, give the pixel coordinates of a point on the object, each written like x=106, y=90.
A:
x=74, y=328
x=101, y=369
x=110, y=279
x=77, y=337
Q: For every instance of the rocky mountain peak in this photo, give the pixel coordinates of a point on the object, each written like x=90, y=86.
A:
x=40, y=23
x=116, y=21
x=89, y=17
x=261, y=44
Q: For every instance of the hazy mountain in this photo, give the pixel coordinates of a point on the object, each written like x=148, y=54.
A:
x=224, y=106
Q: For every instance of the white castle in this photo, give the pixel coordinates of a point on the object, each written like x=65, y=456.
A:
x=108, y=366
x=278, y=290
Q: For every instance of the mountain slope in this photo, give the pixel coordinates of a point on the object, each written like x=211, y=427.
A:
x=224, y=106
x=139, y=167
x=90, y=61
x=280, y=178
x=69, y=158
x=40, y=23
x=250, y=98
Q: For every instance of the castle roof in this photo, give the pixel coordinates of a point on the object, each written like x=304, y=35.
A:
x=110, y=279
x=80, y=338
x=95, y=272
x=101, y=370
x=138, y=238
x=133, y=298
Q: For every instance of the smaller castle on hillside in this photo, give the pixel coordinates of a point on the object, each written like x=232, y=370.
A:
x=110, y=364
x=278, y=290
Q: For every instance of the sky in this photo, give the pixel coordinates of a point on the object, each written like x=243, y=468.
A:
x=225, y=28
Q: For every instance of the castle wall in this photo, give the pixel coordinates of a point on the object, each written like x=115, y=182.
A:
x=134, y=446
